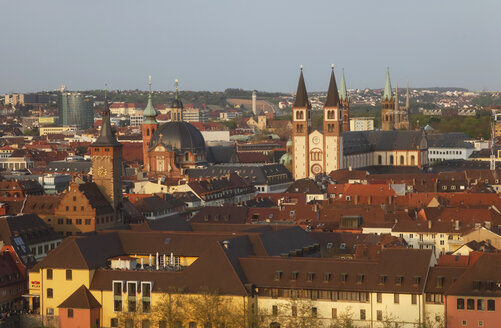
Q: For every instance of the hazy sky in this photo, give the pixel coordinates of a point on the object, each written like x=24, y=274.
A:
x=258, y=44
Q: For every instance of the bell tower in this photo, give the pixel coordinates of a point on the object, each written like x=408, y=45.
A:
x=301, y=123
x=149, y=126
x=107, y=163
x=388, y=104
x=345, y=103
x=333, y=121
x=176, y=111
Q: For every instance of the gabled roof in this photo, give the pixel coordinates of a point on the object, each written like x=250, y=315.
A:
x=80, y=299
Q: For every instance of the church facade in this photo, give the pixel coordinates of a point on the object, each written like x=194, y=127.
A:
x=170, y=148
x=335, y=147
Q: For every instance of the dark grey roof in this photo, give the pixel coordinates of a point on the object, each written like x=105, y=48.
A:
x=107, y=136
x=285, y=240
x=306, y=186
x=253, y=173
x=332, y=94
x=221, y=154
x=364, y=141
x=70, y=166
x=448, y=140
x=301, y=94
x=179, y=136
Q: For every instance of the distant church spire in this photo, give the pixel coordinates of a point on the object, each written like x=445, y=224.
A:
x=332, y=93
x=397, y=109
x=407, y=100
x=177, y=105
x=388, y=94
x=343, y=94
x=301, y=94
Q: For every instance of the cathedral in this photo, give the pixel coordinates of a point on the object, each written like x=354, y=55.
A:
x=334, y=148
x=171, y=148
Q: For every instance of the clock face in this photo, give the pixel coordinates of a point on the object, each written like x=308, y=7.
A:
x=101, y=171
x=316, y=140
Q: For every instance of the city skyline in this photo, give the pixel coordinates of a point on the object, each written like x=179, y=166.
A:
x=250, y=46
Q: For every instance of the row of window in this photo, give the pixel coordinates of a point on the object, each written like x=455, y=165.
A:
x=99, y=220
x=43, y=249
x=402, y=160
x=314, y=313
x=50, y=274
x=446, y=152
x=480, y=302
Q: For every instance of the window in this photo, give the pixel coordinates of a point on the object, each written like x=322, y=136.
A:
x=114, y=322
x=413, y=299
x=145, y=323
x=379, y=315
x=382, y=279
x=69, y=275
x=60, y=221
x=334, y=313
x=50, y=311
x=396, y=298
x=68, y=221
x=311, y=275
x=314, y=312
x=480, y=323
x=391, y=159
x=87, y=221
x=402, y=161
x=362, y=314
x=49, y=274
x=460, y=303
x=480, y=304
x=50, y=293
x=379, y=297
x=464, y=323
x=278, y=275
x=129, y=323
x=274, y=310
x=294, y=275
x=192, y=324
x=79, y=221
x=491, y=305
x=380, y=160
x=146, y=296
x=294, y=311
x=70, y=313
x=470, y=304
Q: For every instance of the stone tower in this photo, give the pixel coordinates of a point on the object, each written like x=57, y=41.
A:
x=149, y=126
x=388, y=106
x=333, y=123
x=345, y=103
x=301, y=123
x=107, y=163
x=176, y=111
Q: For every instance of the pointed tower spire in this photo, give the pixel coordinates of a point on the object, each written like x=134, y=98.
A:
x=332, y=94
x=388, y=95
x=149, y=113
x=301, y=94
x=397, y=109
x=343, y=94
x=407, y=100
x=106, y=136
x=177, y=105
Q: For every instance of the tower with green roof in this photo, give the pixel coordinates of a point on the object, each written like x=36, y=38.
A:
x=388, y=105
x=149, y=126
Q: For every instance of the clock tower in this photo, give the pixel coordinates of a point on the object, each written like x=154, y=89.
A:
x=107, y=162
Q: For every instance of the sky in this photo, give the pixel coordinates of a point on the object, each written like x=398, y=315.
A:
x=259, y=44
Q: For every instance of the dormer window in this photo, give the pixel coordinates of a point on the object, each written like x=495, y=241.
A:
x=417, y=280
x=382, y=279
x=327, y=276
x=360, y=278
x=294, y=275
x=311, y=275
x=440, y=282
x=344, y=277
x=399, y=280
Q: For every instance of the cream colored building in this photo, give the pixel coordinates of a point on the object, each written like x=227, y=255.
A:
x=45, y=130
x=362, y=124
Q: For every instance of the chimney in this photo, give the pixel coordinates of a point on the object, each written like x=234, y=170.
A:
x=429, y=225
x=458, y=225
x=226, y=244
x=488, y=225
x=356, y=200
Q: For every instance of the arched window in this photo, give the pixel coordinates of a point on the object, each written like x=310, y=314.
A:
x=413, y=160
x=186, y=156
x=379, y=160
x=274, y=325
x=391, y=159
x=148, y=132
x=402, y=160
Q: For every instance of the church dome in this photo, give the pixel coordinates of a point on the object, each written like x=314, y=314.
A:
x=176, y=103
x=179, y=136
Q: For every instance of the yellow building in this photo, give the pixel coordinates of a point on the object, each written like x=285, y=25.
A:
x=45, y=130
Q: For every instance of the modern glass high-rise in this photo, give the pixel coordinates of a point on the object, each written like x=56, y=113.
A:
x=76, y=109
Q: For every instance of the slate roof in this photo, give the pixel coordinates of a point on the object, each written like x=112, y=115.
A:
x=448, y=140
x=301, y=93
x=332, y=93
x=306, y=186
x=364, y=141
x=70, y=166
x=95, y=197
x=80, y=299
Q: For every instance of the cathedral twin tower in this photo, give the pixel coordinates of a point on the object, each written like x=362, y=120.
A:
x=317, y=152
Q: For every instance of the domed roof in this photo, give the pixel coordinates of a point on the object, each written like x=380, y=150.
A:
x=179, y=136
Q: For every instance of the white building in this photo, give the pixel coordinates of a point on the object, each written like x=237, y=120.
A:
x=361, y=124
x=448, y=146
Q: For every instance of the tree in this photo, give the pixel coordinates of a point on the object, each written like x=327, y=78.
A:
x=212, y=310
x=170, y=309
x=344, y=320
x=436, y=322
x=300, y=314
